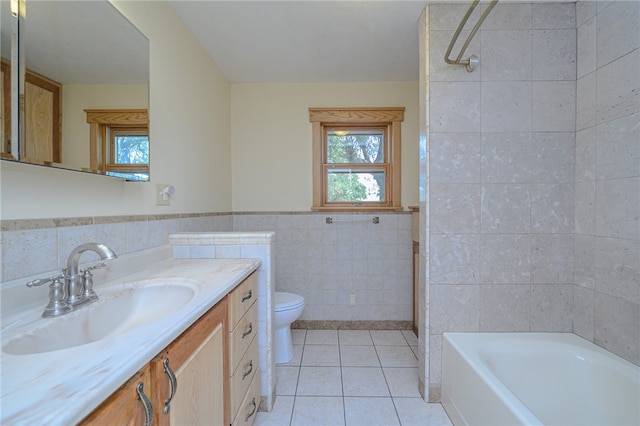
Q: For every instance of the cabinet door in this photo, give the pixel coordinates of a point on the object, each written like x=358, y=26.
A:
x=42, y=118
x=5, y=109
x=200, y=399
x=124, y=407
x=197, y=359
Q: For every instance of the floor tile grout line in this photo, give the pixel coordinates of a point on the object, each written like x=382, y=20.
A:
x=344, y=405
x=341, y=366
x=295, y=393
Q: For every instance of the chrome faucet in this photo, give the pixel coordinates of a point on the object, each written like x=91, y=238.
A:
x=77, y=289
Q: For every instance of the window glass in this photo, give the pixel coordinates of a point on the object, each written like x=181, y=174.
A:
x=355, y=146
x=130, y=147
x=348, y=185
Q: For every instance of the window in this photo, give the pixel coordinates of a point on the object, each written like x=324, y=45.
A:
x=128, y=151
x=356, y=158
x=120, y=142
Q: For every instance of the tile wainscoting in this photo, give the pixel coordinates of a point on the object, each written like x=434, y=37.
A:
x=325, y=263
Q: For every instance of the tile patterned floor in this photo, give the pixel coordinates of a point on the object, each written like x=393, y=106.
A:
x=351, y=378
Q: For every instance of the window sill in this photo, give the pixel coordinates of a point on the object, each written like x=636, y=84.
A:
x=356, y=209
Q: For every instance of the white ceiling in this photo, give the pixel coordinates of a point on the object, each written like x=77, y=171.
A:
x=78, y=42
x=308, y=41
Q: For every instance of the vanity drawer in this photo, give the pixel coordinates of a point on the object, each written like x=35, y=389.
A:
x=241, y=298
x=242, y=377
x=249, y=408
x=242, y=335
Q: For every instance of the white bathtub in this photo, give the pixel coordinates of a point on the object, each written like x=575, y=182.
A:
x=536, y=379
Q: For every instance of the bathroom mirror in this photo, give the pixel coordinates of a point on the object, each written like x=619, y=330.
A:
x=79, y=58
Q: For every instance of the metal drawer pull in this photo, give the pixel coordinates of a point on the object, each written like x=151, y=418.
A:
x=246, y=373
x=248, y=330
x=248, y=296
x=253, y=410
x=148, y=409
x=173, y=385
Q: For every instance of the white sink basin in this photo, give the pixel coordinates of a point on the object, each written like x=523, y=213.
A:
x=127, y=308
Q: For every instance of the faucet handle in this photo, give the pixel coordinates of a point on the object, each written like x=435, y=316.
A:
x=42, y=281
x=87, y=281
x=57, y=304
x=88, y=269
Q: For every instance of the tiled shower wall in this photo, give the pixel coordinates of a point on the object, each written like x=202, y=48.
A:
x=607, y=175
x=324, y=263
x=501, y=159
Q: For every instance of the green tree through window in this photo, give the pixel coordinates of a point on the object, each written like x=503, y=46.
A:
x=132, y=149
x=355, y=147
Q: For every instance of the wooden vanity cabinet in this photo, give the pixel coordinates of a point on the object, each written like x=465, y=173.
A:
x=215, y=363
x=124, y=407
x=244, y=374
x=198, y=360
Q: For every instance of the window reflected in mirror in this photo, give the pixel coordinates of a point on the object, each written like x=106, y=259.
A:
x=119, y=142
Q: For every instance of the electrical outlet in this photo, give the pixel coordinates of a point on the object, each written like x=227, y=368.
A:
x=162, y=196
x=352, y=299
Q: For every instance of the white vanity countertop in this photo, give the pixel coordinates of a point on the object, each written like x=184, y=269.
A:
x=62, y=387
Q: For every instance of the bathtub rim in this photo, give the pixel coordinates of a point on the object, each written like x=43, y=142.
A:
x=459, y=342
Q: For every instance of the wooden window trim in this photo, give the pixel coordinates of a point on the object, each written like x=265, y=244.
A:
x=100, y=121
x=323, y=118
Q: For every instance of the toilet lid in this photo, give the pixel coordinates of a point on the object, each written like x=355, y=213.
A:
x=286, y=301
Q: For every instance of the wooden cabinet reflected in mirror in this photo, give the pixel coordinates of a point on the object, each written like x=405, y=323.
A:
x=5, y=109
x=42, y=131
x=40, y=109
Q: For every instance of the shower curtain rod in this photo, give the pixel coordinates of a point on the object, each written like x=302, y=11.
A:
x=471, y=63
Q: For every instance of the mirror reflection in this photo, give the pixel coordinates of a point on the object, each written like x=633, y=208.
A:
x=84, y=95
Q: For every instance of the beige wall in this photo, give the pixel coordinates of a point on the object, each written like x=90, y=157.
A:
x=190, y=136
x=271, y=138
x=78, y=97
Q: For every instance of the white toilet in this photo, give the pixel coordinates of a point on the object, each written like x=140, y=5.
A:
x=289, y=307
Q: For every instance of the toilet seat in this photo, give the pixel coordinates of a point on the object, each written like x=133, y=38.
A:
x=287, y=301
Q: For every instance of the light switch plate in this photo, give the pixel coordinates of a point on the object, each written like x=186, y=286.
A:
x=160, y=201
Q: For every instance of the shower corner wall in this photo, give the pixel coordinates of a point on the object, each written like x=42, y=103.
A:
x=498, y=174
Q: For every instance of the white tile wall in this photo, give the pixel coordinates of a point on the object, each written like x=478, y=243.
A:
x=326, y=263
x=607, y=189
x=501, y=196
